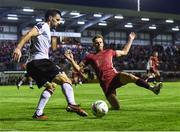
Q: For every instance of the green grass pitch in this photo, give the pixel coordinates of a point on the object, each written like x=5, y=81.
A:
x=141, y=110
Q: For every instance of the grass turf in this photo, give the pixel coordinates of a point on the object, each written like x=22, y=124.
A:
x=141, y=110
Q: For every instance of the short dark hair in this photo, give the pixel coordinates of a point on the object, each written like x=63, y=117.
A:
x=97, y=36
x=51, y=12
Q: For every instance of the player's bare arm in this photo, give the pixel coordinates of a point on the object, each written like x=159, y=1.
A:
x=54, y=43
x=126, y=48
x=69, y=56
x=80, y=68
x=17, y=51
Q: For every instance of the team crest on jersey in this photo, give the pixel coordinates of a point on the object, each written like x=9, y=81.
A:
x=39, y=25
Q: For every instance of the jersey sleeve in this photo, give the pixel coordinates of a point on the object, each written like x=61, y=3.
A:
x=113, y=52
x=40, y=27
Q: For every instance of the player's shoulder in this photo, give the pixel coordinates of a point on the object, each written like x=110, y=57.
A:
x=109, y=50
x=90, y=53
x=39, y=25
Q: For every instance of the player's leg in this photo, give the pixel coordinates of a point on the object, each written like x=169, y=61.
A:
x=151, y=77
x=44, y=98
x=147, y=75
x=42, y=71
x=66, y=86
x=113, y=101
x=157, y=76
x=20, y=81
x=30, y=80
x=67, y=89
x=80, y=80
x=128, y=78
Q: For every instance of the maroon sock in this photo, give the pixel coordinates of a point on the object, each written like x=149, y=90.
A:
x=142, y=83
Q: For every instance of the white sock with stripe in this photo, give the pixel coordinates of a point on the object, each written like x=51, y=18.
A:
x=69, y=93
x=42, y=102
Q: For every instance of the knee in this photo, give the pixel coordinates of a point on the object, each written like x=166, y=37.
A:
x=62, y=78
x=50, y=87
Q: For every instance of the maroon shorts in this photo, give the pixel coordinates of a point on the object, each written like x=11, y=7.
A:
x=110, y=87
x=153, y=70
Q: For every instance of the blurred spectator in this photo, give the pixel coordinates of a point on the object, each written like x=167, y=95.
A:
x=136, y=59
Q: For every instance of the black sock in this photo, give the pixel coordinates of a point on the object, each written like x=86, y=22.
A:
x=142, y=83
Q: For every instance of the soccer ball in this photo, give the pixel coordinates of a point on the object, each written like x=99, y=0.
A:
x=99, y=108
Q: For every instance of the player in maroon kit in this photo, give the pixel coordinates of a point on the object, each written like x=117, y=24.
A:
x=153, y=72
x=108, y=77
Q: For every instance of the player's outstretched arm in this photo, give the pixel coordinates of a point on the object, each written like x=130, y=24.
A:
x=126, y=48
x=80, y=68
x=69, y=56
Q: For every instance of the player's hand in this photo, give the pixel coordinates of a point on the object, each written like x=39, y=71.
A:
x=132, y=35
x=17, y=54
x=68, y=54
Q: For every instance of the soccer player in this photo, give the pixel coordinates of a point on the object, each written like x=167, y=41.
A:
x=43, y=70
x=152, y=71
x=109, y=78
x=23, y=78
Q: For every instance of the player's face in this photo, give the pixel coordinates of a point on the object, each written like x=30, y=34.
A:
x=55, y=21
x=98, y=44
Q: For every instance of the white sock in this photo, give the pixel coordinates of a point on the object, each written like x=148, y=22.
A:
x=69, y=93
x=30, y=83
x=42, y=102
x=20, y=83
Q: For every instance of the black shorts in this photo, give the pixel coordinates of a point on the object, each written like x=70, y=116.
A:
x=42, y=70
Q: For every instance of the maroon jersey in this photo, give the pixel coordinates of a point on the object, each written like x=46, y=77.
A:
x=155, y=63
x=103, y=66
